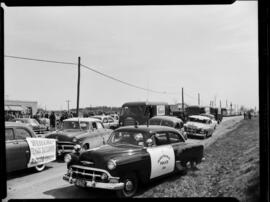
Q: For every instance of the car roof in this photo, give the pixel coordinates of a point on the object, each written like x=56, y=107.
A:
x=13, y=124
x=200, y=117
x=168, y=118
x=145, y=128
x=208, y=115
x=144, y=103
x=86, y=119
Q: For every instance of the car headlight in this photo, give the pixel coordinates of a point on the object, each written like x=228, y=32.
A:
x=104, y=176
x=74, y=139
x=111, y=164
x=67, y=158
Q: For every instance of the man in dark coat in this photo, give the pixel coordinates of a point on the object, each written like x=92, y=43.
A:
x=52, y=120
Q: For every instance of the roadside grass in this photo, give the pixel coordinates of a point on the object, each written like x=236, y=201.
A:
x=231, y=169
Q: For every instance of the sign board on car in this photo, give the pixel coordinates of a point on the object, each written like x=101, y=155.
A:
x=42, y=150
x=160, y=110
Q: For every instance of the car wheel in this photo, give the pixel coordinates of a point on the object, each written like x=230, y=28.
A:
x=40, y=168
x=130, y=186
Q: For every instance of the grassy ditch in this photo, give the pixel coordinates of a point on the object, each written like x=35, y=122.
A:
x=231, y=169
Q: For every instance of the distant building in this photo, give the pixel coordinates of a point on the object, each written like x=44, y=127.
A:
x=21, y=107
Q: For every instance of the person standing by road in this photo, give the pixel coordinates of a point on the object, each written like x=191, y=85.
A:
x=52, y=120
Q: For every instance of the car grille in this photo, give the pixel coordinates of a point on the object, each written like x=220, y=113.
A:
x=65, y=145
x=191, y=130
x=86, y=173
x=129, y=121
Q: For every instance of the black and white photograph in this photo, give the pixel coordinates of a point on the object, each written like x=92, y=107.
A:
x=142, y=101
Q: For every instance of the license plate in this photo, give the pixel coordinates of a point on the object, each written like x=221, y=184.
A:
x=80, y=182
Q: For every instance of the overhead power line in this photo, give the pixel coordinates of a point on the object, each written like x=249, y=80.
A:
x=41, y=60
x=91, y=69
x=123, y=82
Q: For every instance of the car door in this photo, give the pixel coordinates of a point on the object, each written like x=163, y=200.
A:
x=104, y=133
x=177, y=142
x=162, y=155
x=13, y=162
x=20, y=135
x=111, y=122
x=105, y=122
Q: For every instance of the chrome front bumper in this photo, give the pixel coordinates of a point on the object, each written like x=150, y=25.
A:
x=92, y=183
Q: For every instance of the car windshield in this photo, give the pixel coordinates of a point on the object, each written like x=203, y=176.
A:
x=133, y=110
x=197, y=120
x=33, y=121
x=154, y=122
x=128, y=137
x=75, y=125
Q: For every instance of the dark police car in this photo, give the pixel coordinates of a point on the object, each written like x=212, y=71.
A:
x=133, y=154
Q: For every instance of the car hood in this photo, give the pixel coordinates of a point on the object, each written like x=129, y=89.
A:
x=66, y=135
x=196, y=125
x=100, y=155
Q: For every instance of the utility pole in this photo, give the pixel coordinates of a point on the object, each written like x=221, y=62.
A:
x=183, y=99
x=78, y=85
x=199, y=99
x=68, y=101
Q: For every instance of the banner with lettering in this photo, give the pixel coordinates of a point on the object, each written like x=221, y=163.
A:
x=42, y=150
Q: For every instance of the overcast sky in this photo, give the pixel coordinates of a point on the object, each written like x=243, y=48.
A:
x=211, y=50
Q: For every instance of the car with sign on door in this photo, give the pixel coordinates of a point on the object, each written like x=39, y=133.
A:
x=199, y=126
x=86, y=132
x=132, y=155
x=21, y=151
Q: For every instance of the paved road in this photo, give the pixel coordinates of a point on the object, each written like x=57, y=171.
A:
x=27, y=184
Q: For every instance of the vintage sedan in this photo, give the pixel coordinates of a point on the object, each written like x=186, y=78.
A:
x=87, y=132
x=108, y=121
x=132, y=155
x=19, y=153
x=199, y=126
x=170, y=121
x=32, y=123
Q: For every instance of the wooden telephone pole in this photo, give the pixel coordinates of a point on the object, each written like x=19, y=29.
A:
x=78, y=85
x=183, y=99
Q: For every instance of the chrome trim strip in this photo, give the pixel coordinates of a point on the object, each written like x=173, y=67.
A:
x=102, y=185
x=95, y=169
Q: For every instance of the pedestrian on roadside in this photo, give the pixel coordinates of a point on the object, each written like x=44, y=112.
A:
x=52, y=120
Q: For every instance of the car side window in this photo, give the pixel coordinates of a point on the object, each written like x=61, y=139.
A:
x=166, y=123
x=161, y=138
x=173, y=137
x=22, y=134
x=110, y=120
x=99, y=125
x=9, y=134
x=105, y=120
x=94, y=125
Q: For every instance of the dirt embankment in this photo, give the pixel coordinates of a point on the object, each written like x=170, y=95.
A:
x=231, y=169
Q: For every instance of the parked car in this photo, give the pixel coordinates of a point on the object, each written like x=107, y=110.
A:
x=132, y=155
x=115, y=117
x=169, y=121
x=87, y=132
x=212, y=117
x=18, y=151
x=199, y=126
x=107, y=121
x=45, y=122
x=32, y=123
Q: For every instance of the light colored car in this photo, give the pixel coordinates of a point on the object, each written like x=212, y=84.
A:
x=199, y=126
x=212, y=117
x=107, y=121
x=86, y=132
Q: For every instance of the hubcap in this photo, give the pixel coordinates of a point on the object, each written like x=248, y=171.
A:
x=129, y=185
